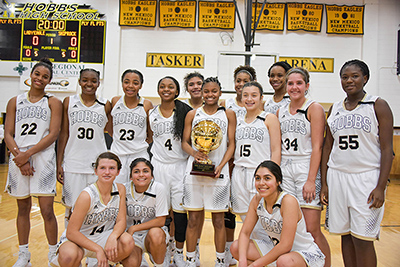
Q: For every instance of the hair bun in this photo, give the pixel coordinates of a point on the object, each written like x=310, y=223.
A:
x=47, y=61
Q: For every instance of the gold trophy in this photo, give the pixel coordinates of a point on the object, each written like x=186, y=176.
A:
x=206, y=136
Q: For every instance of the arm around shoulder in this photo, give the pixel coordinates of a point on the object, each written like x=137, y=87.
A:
x=186, y=141
x=148, y=105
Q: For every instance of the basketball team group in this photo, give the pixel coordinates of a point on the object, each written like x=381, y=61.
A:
x=279, y=162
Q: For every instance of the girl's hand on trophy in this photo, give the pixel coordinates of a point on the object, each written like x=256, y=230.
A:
x=199, y=156
x=218, y=170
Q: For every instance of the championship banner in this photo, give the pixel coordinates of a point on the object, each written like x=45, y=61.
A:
x=180, y=14
x=304, y=16
x=312, y=64
x=137, y=13
x=220, y=15
x=345, y=19
x=272, y=17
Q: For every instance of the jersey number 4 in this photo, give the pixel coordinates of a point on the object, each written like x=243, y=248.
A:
x=168, y=144
x=348, y=141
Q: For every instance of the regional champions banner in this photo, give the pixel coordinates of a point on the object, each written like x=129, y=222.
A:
x=304, y=16
x=180, y=14
x=272, y=17
x=220, y=15
x=137, y=13
x=344, y=19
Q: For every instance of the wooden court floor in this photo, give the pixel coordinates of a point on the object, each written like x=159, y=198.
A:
x=388, y=248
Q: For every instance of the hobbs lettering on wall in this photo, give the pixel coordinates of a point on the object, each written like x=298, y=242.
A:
x=168, y=60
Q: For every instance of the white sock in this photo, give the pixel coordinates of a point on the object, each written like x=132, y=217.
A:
x=158, y=264
x=190, y=255
x=179, y=250
x=228, y=245
x=52, y=248
x=220, y=255
x=24, y=248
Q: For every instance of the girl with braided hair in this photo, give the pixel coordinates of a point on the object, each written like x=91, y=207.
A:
x=169, y=160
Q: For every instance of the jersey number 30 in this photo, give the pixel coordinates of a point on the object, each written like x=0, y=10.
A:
x=85, y=133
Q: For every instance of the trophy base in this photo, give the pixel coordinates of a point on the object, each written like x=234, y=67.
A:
x=203, y=169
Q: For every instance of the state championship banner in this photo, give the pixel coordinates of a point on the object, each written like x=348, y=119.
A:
x=220, y=15
x=137, y=13
x=304, y=16
x=272, y=17
x=345, y=19
x=180, y=14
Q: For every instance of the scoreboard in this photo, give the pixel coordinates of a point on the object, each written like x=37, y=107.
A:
x=70, y=41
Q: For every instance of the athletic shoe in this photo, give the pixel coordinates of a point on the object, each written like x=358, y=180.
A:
x=170, y=252
x=24, y=259
x=220, y=263
x=190, y=262
x=229, y=259
x=178, y=259
x=51, y=256
x=167, y=259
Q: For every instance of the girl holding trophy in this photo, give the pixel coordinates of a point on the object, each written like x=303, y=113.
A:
x=205, y=192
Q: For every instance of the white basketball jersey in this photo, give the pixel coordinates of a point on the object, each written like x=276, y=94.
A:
x=143, y=207
x=100, y=217
x=32, y=120
x=165, y=147
x=86, y=135
x=272, y=225
x=356, y=146
x=272, y=107
x=232, y=104
x=129, y=128
x=252, y=142
x=296, y=132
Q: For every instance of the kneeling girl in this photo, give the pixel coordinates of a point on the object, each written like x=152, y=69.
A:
x=146, y=213
x=280, y=216
x=97, y=225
